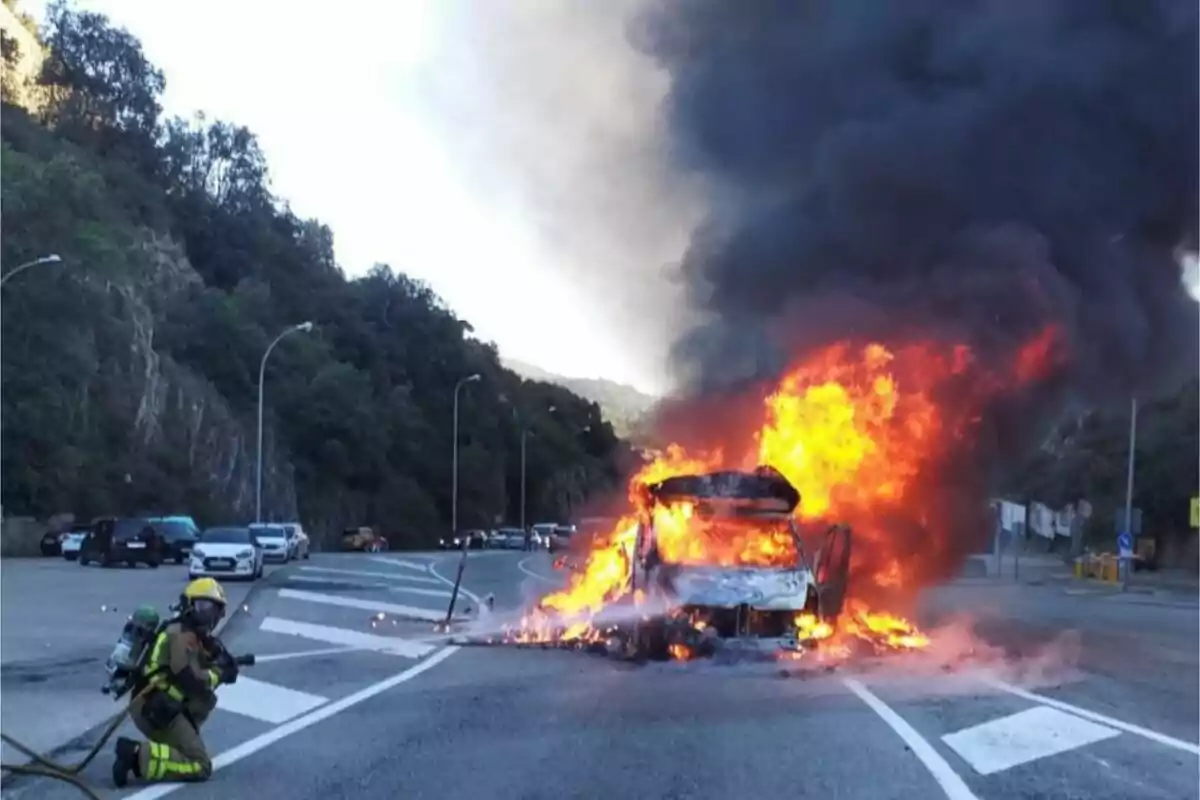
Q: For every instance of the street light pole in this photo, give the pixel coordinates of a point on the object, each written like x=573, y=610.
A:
x=50, y=259
x=1125, y=562
x=524, y=435
x=304, y=327
x=454, y=469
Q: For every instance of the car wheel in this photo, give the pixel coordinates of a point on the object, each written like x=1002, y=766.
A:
x=306, y=553
x=83, y=562
x=179, y=559
x=154, y=563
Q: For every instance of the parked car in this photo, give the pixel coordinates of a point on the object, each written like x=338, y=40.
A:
x=363, y=539
x=131, y=540
x=179, y=535
x=558, y=537
x=477, y=540
x=274, y=541
x=51, y=544
x=297, y=539
x=227, y=552
x=69, y=543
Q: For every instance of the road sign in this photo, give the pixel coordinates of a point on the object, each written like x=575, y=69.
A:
x=1125, y=545
x=1195, y=512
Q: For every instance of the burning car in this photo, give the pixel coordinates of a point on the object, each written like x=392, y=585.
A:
x=719, y=558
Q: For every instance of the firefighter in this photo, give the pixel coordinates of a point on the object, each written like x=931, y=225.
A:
x=176, y=693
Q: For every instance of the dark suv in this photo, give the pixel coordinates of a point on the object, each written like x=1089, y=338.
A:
x=179, y=536
x=131, y=540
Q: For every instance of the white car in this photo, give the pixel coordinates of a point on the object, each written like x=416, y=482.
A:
x=297, y=538
x=71, y=543
x=226, y=553
x=276, y=547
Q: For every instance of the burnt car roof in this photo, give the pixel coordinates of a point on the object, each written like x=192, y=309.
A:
x=759, y=487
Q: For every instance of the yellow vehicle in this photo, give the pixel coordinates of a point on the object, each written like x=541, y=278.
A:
x=363, y=539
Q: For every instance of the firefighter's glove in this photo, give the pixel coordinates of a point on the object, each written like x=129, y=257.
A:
x=229, y=670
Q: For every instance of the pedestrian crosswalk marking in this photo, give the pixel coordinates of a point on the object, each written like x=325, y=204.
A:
x=1026, y=736
x=394, y=576
x=265, y=701
x=345, y=636
x=395, y=609
x=426, y=592
x=399, y=562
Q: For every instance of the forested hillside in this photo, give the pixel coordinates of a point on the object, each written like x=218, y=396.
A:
x=626, y=407
x=130, y=369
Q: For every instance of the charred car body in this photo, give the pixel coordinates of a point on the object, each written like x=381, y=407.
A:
x=747, y=584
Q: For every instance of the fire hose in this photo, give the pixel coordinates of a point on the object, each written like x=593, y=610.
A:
x=45, y=767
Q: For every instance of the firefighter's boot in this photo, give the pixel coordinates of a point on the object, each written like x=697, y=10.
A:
x=126, y=761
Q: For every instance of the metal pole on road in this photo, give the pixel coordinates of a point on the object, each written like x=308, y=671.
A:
x=50, y=259
x=1125, y=563
x=454, y=469
x=304, y=327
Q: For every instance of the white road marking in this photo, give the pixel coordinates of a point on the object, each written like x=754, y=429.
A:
x=521, y=566
x=266, y=701
x=417, y=590
x=1154, y=736
x=322, y=651
x=411, y=612
x=399, y=562
x=252, y=746
x=954, y=786
x=311, y=579
x=1022, y=737
x=392, y=576
x=346, y=637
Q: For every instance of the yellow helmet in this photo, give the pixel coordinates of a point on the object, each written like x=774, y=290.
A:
x=205, y=589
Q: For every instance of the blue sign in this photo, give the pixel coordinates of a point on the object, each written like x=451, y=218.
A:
x=1125, y=545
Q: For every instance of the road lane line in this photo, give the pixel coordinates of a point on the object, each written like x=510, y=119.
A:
x=264, y=701
x=461, y=589
x=252, y=746
x=521, y=566
x=954, y=786
x=1154, y=736
x=394, y=609
x=392, y=576
x=322, y=651
x=347, y=637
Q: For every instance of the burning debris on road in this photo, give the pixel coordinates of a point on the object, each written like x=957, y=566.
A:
x=753, y=540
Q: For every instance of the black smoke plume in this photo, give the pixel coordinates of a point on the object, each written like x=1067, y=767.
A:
x=966, y=169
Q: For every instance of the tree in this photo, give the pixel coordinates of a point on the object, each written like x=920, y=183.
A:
x=141, y=358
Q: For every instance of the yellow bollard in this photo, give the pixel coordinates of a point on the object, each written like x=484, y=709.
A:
x=1079, y=567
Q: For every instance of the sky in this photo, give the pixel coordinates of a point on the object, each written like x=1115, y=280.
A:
x=339, y=96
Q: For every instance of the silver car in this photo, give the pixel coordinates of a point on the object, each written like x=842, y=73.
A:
x=276, y=548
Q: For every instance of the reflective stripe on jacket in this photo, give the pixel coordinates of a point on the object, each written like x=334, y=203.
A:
x=179, y=666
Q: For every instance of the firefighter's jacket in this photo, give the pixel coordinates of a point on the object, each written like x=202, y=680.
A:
x=180, y=666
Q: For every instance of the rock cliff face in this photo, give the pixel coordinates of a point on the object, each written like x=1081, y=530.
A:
x=182, y=415
x=98, y=417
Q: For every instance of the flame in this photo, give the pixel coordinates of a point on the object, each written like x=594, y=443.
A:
x=683, y=538
x=854, y=429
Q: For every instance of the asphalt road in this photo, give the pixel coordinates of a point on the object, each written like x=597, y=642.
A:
x=59, y=623
x=1112, y=712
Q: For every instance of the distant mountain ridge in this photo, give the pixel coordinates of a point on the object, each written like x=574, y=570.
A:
x=623, y=405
